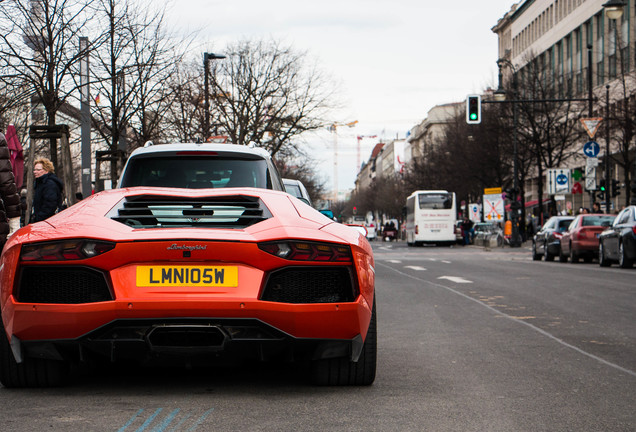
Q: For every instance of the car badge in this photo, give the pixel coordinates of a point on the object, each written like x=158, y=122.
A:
x=190, y=248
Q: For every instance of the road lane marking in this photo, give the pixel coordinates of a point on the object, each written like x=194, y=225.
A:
x=394, y=261
x=527, y=324
x=446, y=262
x=418, y=268
x=455, y=279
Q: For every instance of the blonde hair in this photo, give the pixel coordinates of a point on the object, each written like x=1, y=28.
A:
x=46, y=164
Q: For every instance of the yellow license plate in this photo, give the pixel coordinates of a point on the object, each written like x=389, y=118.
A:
x=218, y=276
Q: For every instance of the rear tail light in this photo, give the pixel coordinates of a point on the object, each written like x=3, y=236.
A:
x=634, y=229
x=308, y=251
x=557, y=235
x=416, y=230
x=65, y=250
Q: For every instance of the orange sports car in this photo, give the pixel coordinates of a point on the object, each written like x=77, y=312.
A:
x=193, y=275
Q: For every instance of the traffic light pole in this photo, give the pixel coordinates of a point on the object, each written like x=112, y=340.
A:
x=607, y=152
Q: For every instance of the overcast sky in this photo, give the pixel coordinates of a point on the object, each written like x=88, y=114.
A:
x=394, y=60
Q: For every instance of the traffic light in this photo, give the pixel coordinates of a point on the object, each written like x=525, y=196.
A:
x=355, y=210
x=473, y=109
x=615, y=191
x=601, y=187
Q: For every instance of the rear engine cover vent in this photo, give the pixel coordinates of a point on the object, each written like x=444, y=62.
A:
x=157, y=211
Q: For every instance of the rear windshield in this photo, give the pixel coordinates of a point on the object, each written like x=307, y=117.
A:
x=436, y=201
x=197, y=172
x=598, y=220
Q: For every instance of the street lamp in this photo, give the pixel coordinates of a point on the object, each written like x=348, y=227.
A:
x=206, y=71
x=614, y=9
x=500, y=96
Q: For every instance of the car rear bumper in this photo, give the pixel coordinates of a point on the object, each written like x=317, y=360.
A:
x=62, y=321
x=145, y=330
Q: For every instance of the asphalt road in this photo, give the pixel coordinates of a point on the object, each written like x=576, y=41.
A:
x=469, y=340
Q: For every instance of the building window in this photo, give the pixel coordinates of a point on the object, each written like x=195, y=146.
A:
x=600, y=49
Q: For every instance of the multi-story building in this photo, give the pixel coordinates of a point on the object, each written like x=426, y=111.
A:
x=429, y=132
x=565, y=40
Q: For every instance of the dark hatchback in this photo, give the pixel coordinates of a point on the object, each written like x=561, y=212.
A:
x=618, y=242
x=547, y=241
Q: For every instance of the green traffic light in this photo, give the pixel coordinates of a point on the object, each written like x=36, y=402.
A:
x=473, y=116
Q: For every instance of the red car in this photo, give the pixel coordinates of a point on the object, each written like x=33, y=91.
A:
x=581, y=238
x=194, y=275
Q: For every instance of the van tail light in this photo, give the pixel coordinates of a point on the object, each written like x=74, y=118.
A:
x=417, y=231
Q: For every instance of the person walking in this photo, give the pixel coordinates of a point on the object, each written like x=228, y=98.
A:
x=10, y=208
x=47, y=197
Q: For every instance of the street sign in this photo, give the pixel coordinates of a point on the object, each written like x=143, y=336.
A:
x=559, y=181
x=590, y=178
x=493, y=208
x=591, y=162
x=591, y=149
x=474, y=212
x=492, y=191
x=591, y=125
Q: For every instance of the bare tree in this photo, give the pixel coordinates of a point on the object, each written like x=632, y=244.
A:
x=185, y=114
x=39, y=50
x=548, y=122
x=130, y=73
x=268, y=94
x=302, y=167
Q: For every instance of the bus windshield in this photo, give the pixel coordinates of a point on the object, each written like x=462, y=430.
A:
x=436, y=201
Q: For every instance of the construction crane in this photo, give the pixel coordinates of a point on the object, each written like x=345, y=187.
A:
x=360, y=138
x=334, y=128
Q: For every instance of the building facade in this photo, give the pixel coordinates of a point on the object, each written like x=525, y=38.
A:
x=566, y=40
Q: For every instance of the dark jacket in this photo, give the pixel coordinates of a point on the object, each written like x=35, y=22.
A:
x=9, y=197
x=47, y=196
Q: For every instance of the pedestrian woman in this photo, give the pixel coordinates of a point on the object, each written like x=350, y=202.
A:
x=10, y=209
x=47, y=197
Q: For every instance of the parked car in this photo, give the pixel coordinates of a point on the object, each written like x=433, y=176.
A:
x=581, y=238
x=188, y=275
x=547, y=242
x=297, y=188
x=618, y=242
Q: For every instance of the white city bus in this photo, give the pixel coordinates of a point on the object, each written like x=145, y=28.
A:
x=431, y=216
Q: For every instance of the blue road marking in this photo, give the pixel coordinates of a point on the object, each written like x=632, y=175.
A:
x=150, y=419
x=132, y=419
x=200, y=420
x=167, y=422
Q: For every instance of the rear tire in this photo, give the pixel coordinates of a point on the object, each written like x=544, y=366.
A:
x=574, y=257
x=342, y=371
x=623, y=259
x=547, y=255
x=32, y=372
x=602, y=261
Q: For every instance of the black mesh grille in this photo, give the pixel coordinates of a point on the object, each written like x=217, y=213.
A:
x=68, y=285
x=310, y=285
x=157, y=211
